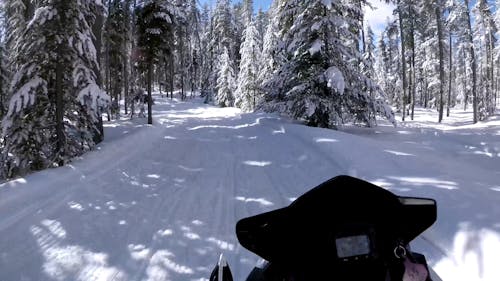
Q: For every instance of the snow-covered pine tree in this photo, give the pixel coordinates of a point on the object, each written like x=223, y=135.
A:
x=208, y=54
x=261, y=23
x=238, y=26
x=247, y=12
x=222, y=34
x=269, y=45
x=382, y=65
x=4, y=72
x=155, y=24
x=55, y=99
x=247, y=95
x=116, y=32
x=484, y=33
x=319, y=81
x=194, y=45
x=182, y=43
x=225, y=81
x=369, y=54
x=15, y=13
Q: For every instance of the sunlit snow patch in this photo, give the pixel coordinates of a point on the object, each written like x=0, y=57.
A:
x=257, y=163
x=223, y=245
x=261, y=201
x=161, y=264
x=197, y=222
x=421, y=181
x=138, y=251
x=473, y=255
x=322, y=140
x=75, y=206
x=70, y=262
x=166, y=232
x=398, y=153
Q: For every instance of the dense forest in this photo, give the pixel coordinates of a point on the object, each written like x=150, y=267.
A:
x=67, y=64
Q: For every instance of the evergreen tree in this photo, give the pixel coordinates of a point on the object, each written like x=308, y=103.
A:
x=4, y=72
x=247, y=12
x=194, y=45
x=247, y=95
x=55, y=101
x=155, y=20
x=261, y=23
x=116, y=32
x=208, y=54
x=268, y=62
x=222, y=34
x=484, y=33
x=225, y=81
x=318, y=81
x=369, y=54
x=15, y=12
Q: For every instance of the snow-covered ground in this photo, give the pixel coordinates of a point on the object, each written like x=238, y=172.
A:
x=160, y=202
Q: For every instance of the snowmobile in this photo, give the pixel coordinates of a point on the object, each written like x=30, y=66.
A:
x=343, y=229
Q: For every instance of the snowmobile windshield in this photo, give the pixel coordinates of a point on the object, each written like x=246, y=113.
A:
x=344, y=221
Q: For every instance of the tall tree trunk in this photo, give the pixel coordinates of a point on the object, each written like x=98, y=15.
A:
x=171, y=76
x=491, y=74
x=166, y=70
x=125, y=80
x=413, y=75
x=450, y=70
x=60, y=144
x=441, y=59
x=466, y=93
x=181, y=52
x=426, y=93
x=362, y=26
x=403, y=60
x=470, y=41
x=150, y=96
x=97, y=31
x=2, y=93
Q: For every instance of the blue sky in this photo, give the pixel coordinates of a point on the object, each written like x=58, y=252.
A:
x=377, y=18
x=264, y=4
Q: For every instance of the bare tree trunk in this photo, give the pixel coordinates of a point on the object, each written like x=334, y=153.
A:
x=181, y=52
x=125, y=81
x=59, y=112
x=473, y=61
x=150, y=96
x=466, y=94
x=441, y=59
x=426, y=93
x=413, y=75
x=2, y=93
x=491, y=74
x=166, y=71
x=97, y=30
x=171, y=76
x=403, y=60
x=450, y=70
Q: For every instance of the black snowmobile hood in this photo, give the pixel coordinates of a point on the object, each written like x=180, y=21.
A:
x=306, y=223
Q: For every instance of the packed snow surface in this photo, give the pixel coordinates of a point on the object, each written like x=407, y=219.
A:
x=160, y=202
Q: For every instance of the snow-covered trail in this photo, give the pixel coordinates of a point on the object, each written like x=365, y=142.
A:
x=160, y=202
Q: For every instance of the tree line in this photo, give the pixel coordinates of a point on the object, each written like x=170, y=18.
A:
x=64, y=64
x=440, y=54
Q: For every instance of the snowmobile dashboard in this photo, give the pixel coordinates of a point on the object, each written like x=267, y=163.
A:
x=345, y=221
